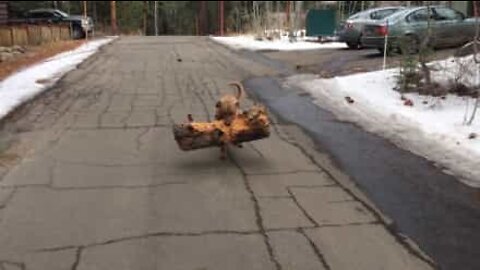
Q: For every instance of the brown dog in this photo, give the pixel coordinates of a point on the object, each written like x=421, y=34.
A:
x=227, y=108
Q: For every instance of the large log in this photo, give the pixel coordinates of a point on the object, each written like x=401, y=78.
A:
x=248, y=126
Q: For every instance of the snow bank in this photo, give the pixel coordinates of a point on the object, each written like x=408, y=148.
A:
x=283, y=44
x=432, y=127
x=27, y=83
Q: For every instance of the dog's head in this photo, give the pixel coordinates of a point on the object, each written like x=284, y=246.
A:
x=228, y=105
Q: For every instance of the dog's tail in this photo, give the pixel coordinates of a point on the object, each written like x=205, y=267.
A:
x=240, y=89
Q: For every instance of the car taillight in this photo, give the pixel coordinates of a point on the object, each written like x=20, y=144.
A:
x=382, y=30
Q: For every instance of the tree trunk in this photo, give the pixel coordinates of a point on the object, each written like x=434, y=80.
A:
x=221, y=17
x=145, y=14
x=423, y=59
x=113, y=16
x=155, y=17
x=474, y=112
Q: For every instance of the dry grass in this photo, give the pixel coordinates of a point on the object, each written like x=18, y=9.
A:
x=36, y=54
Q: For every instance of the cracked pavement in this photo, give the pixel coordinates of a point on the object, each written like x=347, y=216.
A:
x=99, y=183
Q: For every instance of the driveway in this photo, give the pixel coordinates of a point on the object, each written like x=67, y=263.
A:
x=92, y=178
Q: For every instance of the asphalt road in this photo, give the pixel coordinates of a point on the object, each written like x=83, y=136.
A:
x=92, y=178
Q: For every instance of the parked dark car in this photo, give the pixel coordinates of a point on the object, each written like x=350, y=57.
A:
x=80, y=25
x=351, y=30
x=448, y=28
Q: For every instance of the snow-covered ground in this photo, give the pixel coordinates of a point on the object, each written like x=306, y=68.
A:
x=27, y=83
x=432, y=127
x=283, y=44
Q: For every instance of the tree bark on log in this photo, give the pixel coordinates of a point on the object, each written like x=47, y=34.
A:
x=248, y=126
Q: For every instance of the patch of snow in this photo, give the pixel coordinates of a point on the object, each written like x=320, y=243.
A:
x=432, y=127
x=283, y=44
x=27, y=83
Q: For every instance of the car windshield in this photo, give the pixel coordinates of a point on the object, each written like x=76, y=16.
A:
x=61, y=13
x=356, y=16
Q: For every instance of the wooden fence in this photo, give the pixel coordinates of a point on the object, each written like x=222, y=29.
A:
x=24, y=34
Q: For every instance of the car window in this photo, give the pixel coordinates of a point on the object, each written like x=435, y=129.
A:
x=420, y=16
x=40, y=15
x=397, y=16
x=355, y=16
x=34, y=15
x=446, y=14
x=382, y=14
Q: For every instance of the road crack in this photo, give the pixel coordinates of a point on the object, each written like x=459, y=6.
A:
x=258, y=216
x=304, y=211
x=316, y=250
x=145, y=236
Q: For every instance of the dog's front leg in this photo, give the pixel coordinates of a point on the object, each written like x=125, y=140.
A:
x=223, y=151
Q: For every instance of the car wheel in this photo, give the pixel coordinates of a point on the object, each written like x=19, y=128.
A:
x=353, y=45
x=77, y=32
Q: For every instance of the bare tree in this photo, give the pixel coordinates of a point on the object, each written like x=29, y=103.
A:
x=423, y=53
x=477, y=62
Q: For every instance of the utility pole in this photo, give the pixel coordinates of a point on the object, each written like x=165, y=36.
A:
x=155, y=16
x=196, y=25
x=113, y=16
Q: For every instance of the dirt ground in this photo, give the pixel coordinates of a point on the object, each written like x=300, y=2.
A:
x=35, y=54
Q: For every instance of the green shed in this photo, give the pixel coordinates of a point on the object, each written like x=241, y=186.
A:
x=321, y=22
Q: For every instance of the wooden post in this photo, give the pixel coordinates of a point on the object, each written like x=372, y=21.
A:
x=28, y=35
x=12, y=35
